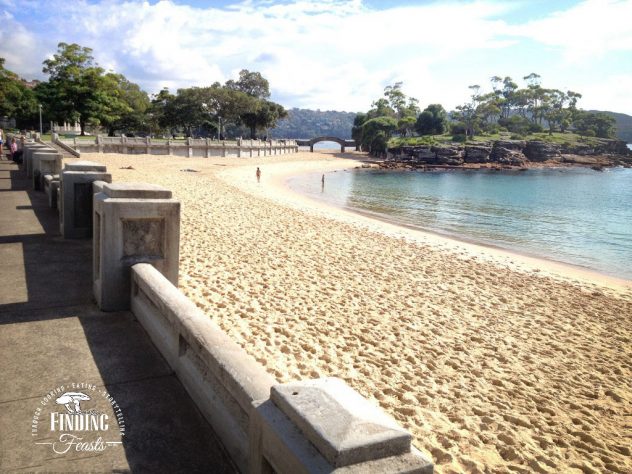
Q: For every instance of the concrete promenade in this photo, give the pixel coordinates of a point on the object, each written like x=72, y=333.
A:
x=52, y=334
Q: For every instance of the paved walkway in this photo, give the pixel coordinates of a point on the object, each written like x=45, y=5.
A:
x=52, y=334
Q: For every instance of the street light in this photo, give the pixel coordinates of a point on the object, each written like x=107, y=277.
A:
x=40, y=113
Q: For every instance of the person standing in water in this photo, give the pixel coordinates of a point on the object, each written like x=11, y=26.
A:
x=258, y=174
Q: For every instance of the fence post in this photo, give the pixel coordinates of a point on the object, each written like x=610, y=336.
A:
x=75, y=197
x=324, y=425
x=133, y=223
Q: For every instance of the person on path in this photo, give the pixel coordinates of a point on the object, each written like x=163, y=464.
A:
x=258, y=175
x=1, y=142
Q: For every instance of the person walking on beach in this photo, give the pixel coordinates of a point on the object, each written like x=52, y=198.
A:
x=258, y=174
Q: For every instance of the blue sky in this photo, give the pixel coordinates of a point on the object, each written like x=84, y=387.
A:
x=339, y=54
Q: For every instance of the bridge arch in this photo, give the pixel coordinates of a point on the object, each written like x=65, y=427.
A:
x=340, y=141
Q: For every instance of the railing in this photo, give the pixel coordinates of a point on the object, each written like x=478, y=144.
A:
x=190, y=147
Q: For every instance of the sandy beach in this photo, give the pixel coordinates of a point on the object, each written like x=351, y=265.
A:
x=495, y=362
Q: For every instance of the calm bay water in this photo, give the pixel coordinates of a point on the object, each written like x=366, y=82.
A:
x=572, y=215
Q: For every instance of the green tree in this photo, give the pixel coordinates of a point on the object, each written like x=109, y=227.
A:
x=161, y=113
x=77, y=89
x=376, y=133
x=251, y=83
x=124, y=105
x=265, y=114
x=432, y=121
x=258, y=113
x=226, y=105
x=188, y=109
x=406, y=125
x=16, y=100
x=599, y=124
x=380, y=108
x=356, y=130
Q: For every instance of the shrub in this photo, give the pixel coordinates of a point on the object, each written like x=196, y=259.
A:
x=457, y=128
x=459, y=137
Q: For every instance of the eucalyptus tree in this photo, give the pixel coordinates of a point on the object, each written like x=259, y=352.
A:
x=432, y=121
x=16, y=100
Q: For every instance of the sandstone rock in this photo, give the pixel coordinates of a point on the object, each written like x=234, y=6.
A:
x=509, y=152
x=477, y=153
x=542, y=151
x=449, y=155
x=425, y=155
x=511, y=144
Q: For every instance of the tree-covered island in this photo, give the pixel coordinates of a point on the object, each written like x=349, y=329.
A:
x=508, y=126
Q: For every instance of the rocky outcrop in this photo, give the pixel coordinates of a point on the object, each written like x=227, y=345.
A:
x=449, y=155
x=478, y=153
x=600, y=152
x=542, y=151
x=425, y=154
x=509, y=152
x=600, y=147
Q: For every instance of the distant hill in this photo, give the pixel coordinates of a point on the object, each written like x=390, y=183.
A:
x=624, y=125
x=306, y=123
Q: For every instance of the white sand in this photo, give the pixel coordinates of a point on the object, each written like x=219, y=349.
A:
x=495, y=362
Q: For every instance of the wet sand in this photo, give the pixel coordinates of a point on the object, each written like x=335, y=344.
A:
x=495, y=362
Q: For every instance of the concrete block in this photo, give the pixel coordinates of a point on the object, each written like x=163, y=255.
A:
x=51, y=187
x=75, y=202
x=44, y=162
x=85, y=165
x=27, y=156
x=278, y=445
x=143, y=226
x=345, y=428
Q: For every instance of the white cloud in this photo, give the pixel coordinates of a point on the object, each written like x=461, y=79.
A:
x=18, y=46
x=327, y=54
x=611, y=93
x=590, y=29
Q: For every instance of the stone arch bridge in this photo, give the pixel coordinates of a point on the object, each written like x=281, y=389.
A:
x=342, y=142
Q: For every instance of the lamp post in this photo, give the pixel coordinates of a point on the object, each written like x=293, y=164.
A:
x=40, y=115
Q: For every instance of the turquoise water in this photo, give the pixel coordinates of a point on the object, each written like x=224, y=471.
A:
x=572, y=215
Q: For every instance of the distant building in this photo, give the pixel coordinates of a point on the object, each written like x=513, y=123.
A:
x=30, y=84
x=65, y=127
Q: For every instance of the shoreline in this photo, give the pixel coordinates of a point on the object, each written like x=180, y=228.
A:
x=517, y=260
